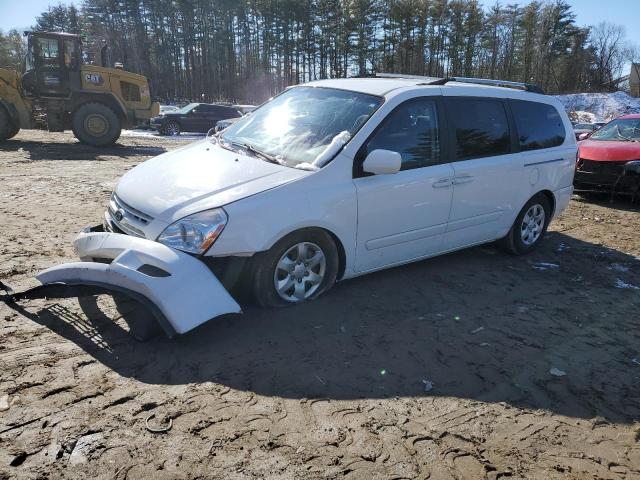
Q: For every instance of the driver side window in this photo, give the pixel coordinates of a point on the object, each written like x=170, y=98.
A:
x=412, y=131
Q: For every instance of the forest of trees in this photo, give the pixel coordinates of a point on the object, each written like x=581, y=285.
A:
x=247, y=50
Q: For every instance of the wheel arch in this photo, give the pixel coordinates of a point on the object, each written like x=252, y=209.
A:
x=107, y=99
x=342, y=256
x=174, y=120
x=552, y=200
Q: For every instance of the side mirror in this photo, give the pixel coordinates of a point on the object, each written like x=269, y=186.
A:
x=584, y=136
x=382, y=162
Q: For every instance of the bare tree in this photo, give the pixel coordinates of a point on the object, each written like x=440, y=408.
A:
x=610, y=54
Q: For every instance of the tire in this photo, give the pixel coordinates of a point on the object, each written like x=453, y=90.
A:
x=7, y=130
x=529, y=228
x=143, y=326
x=172, y=128
x=96, y=124
x=13, y=133
x=267, y=266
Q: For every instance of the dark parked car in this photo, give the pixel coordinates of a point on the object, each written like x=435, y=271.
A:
x=195, y=117
x=582, y=128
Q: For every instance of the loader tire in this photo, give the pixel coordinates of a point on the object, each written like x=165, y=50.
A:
x=96, y=124
x=13, y=132
x=7, y=128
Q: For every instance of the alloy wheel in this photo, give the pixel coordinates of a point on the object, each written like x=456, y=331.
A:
x=300, y=272
x=532, y=224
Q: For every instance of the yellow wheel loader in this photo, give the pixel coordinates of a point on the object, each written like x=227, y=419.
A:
x=57, y=89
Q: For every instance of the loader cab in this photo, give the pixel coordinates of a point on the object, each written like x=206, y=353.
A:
x=52, y=65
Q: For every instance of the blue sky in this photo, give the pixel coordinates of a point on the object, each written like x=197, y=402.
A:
x=21, y=14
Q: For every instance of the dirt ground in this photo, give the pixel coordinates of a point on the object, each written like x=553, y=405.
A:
x=439, y=369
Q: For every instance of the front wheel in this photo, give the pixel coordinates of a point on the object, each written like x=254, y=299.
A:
x=529, y=226
x=172, y=128
x=96, y=124
x=298, y=268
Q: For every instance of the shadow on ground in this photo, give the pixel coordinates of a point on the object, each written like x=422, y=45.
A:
x=47, y=150
x=478, y=324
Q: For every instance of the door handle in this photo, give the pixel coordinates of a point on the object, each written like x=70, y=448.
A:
x=462, y=179
x=442, y=183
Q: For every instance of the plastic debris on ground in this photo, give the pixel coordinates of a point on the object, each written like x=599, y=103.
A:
x=556, y=372
x=4, y=403
x=428, y=385
x=477, y=330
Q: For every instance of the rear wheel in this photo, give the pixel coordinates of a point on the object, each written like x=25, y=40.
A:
x=96, y=124
x=529, y=227
x=298, y=268
x=7, y=129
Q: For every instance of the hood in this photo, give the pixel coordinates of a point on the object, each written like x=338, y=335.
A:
x=197, y=177
x=609, y=151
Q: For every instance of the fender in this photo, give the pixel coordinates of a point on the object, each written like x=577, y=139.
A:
x=107, y=98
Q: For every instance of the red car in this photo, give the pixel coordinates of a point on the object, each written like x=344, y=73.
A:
x=609, y=160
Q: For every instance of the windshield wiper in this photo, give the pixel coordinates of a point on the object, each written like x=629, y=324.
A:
x=266, y=156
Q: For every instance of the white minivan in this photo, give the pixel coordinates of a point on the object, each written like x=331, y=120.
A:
x=327, y=181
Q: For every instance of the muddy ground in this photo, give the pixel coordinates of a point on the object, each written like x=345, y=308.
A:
x=332, y=389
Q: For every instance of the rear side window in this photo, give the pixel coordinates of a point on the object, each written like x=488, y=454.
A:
x=412, y=131
x=539, y=125
x=480, y=127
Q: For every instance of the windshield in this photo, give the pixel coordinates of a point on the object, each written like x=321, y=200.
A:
x=304, y=126
x=625, y=129
x=186, y=108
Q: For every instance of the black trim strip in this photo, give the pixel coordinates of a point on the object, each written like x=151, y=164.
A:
x=545, y=161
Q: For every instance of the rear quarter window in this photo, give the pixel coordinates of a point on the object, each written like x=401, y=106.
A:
x=539, y=125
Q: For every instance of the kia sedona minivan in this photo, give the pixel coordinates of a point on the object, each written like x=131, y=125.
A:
x=334, y=179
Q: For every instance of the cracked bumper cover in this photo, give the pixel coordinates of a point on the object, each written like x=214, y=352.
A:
x=180, y=289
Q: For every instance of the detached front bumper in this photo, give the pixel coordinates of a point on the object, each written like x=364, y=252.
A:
x=180, y=290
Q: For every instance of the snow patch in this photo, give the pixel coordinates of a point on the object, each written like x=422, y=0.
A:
x=155, y=134
x=623, y=284
x=599, y=107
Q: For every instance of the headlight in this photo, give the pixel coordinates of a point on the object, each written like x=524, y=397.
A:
x=195, y=233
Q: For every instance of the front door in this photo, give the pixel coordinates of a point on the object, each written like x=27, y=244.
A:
x=403, y=216
x=52, y=76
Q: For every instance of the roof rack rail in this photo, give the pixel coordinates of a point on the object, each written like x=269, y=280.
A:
x=425, y=78
x=528, y=87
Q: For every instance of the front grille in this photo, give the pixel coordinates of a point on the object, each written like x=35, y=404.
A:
x=133, y=220
x=603, y=168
